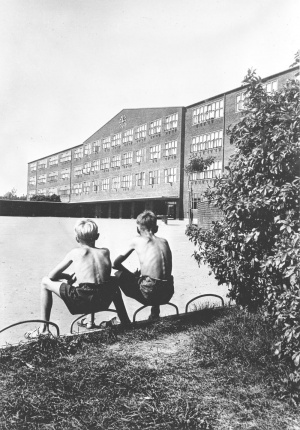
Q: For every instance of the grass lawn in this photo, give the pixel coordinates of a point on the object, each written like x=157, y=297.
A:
x=209, y=370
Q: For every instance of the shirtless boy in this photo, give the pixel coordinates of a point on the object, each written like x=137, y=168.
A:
x=155, y=285
x=96, y=288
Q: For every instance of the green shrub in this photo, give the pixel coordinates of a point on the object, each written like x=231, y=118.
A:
x=255, y=248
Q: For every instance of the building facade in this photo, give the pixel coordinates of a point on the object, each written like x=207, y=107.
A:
x=136, y=160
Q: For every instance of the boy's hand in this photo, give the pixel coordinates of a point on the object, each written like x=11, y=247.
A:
x=72, y=279
x=137, y=273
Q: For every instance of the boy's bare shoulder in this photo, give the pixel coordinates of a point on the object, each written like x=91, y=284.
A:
x=162, y=239
x=104, y=251
x=135, y=241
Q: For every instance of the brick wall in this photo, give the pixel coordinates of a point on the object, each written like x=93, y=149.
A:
x=207, y=213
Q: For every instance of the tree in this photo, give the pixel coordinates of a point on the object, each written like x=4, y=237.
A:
x=198, y=164
x=255, y=248
x=12, y=195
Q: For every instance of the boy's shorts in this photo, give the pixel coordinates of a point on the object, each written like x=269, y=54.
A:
x=88, y=298
x=146, y=290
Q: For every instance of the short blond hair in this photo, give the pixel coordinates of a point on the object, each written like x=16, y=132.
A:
x=86, y=230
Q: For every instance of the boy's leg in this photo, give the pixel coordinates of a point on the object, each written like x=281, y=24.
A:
x=120, y=307
x=155, y=311
x=47, y=288
x=128, y=283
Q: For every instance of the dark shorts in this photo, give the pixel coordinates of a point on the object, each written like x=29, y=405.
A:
x=146, y=290
x=88, y=298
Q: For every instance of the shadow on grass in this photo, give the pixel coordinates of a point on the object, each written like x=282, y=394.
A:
x=225, y=379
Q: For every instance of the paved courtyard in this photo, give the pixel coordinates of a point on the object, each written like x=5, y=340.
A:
x=30, y=247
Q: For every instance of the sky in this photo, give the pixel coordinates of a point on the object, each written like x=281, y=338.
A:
x=69, y=66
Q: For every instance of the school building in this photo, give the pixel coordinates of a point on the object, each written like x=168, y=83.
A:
x=136, y=160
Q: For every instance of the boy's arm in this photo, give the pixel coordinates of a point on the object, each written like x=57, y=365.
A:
x=58, y=272
x=122, y=257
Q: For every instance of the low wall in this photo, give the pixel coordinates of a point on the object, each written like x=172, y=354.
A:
x=51, y=209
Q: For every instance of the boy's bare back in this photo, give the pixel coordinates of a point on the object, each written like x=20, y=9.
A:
x=90, y=264
x=154, y=255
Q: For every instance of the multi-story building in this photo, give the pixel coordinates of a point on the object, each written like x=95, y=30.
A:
x=132, y=162
x=137, y=159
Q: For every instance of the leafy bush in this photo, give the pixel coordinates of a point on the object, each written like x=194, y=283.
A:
x=255, y=248
x=43, y=198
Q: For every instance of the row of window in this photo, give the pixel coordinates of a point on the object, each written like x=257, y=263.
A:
x=207, y=141
x=170, y=150
x=53, y=161
x=114, y=162
x=215, y=109
x=117, y=182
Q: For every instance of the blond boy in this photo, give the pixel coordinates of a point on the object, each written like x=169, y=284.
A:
x=155, y=285
x=92, y=268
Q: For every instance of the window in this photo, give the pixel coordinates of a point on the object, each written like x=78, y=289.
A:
x=126, y=182
x=42, y=164
x=127, y=159
x=42, y=179
x=116, y=140
x=105, y=163
x=154, y=177
x=65, y=157
x=155, y=127
x=33, y=167
x=240, y=99
x=52, y=191
x=64, y=190
x=140, y=179
x=212, y=171
x=87, y=168
x=96, y=186
x=96, y=166
x=128, y=136
x=171, y=122
x=31, y=193
x=86, y=187
x=115, y=162
x=78, y=153
x=208, y=111
x=32, y=180
x=53, y=161
x=171, y=149
x=141, y=131
x=196, y=198
x=87, y=150
x=116, y=183
x=270, y=86
x=217, y=169
x=96, y=146
x=140, y=155
x=106, y=143
x=155, y=152
x=65, y=174
x=77, y=171
x=105, y=184
x=42, y=191
x=207, y=141
x=170, y=175
x=77, y=189
x=53, y=177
